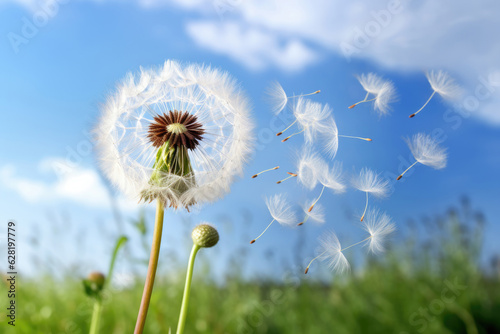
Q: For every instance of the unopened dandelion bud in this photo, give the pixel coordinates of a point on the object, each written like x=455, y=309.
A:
x=97, y=279
x=205, y=235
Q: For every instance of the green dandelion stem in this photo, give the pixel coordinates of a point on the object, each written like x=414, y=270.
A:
x=96, y=314
x=153, y=264
x=187, y=290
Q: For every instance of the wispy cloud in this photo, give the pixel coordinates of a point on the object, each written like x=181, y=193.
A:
x=253, y=47
x=78, y=185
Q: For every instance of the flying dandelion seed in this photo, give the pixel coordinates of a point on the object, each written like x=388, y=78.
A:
x=286, y=178
x=310, y=118
x=330, y=135
x=331, y=178
x=316, y=216
x=179, y=135
x=264, y=171
x=442, y=84
x=281, y=212
x=370, y=183
x=426, y=151
x=383, y=91
x=377, y=224
x=331, y=251
x=279, y=99
x=309, y=164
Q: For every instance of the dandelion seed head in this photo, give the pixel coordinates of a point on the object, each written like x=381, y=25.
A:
x=371, y=83
x=330, y=137
x=331, y=251
x=370, y=182
x=193, y=119
x=379, y=225
x=444, y=85
x=281, y=210
x=427, y=151
x=383, y=90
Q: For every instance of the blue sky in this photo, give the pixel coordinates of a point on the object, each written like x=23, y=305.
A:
x=55, y=75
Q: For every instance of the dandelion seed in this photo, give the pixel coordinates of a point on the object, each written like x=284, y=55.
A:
x=281, y=212
x=317, y=216
x=383, y=91
x=176, y=134
x=310, y=117
x=289, y=177
x=330, y=178
x=426, y=151
x=330, y=135
x=370, y=183
x=379, y=225
x=331, y=251
x=267, y=170
x=309, y=164
x=442, y=84
x=278, y=97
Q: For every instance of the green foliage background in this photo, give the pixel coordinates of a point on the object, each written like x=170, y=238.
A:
x=405, y=291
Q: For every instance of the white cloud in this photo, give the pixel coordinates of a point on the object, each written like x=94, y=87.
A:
x=253, y=47
x=459, y=36
x=73, y=184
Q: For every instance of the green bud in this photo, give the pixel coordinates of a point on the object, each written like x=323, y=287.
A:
x=205, y=235
x=94, y=283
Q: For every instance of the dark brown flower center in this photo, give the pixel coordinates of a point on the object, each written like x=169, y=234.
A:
x=179, y=128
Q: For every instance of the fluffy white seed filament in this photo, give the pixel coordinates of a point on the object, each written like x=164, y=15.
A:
x=267, y=170
x=340, y=251
x=419, y=110
x=366, y=207
x=302, y=95
x=366, y=139
x=291, y=175
x=254, y=240
x=176, y=128
x=317, y=199
x=407, y=169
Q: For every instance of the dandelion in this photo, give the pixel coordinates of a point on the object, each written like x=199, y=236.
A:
x=330, y=134
x=370, y=183
x=379, y=225
x=331, y=251
x=278, y=97
x=426, y=151
x=178, y=135
x=442, y=84
x=331, y=178
x=264, y=171
x=310, y=117
x=383, y=91
x=317, y=215
x=281, y=212
x=204, y=236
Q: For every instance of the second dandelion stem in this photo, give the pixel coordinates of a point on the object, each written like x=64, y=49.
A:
x=153, y=264
x=187, y=290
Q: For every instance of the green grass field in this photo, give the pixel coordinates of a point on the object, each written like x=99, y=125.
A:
x=430, y=284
